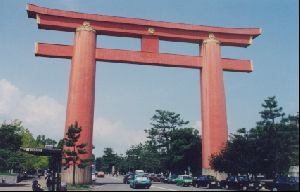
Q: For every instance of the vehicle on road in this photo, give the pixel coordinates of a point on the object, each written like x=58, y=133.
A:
x=155, y=177
x=139, y=172
x=127, y=178
x=100, y=174
x=164, y=179
x=184, y=180
x=140, y=181
x=206, y=181
x=172, y=179
x=284, y=183
x=241, y=182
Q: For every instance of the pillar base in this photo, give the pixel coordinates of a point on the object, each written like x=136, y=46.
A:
x=219, y=175
x=82, y=176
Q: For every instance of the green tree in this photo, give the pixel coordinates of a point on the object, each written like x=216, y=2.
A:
x=98, y=164
x=61, y=144
x=109, y=159
x=159, y=135
x=10, y=134
x=185, y=151
x=163, y=122
x=42, y=140
x=239, y=156
x=292, y=122
x=269, y=148
x=150, y=158
x=271, y=112
x=274, y=140
x=134, y=157
x=122, y=164
x=13, y=136
x=74, y=150
x=10, y=142
x=31, y=161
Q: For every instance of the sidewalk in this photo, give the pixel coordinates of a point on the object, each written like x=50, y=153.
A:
x=23, y=185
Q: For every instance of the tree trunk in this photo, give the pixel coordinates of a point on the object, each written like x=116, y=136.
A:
x=82, y=176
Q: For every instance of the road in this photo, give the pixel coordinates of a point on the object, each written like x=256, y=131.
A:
x=109, y=183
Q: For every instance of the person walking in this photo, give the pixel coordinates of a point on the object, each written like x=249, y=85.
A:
x=49, y=181
x=36, y=186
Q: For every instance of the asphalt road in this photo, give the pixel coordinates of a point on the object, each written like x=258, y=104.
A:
x=109, y=183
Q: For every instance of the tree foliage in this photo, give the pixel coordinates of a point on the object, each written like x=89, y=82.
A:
x=42, y=140
x=185, y=150
x=108, y=160
x=74, y=150
x=163, y=123
x=270, y=148
x=10, y=134
x=170, y=148
x=13, y=136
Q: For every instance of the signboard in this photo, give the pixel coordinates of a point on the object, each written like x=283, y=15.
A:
x=42, y=151
x=32, y=149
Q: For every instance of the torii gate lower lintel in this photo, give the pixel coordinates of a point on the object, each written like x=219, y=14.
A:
x=84, y=54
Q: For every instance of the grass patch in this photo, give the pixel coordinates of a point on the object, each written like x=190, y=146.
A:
x=78, y=187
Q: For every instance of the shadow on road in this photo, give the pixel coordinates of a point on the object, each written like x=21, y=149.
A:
x=107, y=183
x=13, y=185
x=120, y=183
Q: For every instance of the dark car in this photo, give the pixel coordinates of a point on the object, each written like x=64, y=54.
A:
x=127, y=178
x=163, y=179
x=241, y=182
x=172, y=179
x=254, y=184
x=155, y=177
x=284, y=183
x=206, y=181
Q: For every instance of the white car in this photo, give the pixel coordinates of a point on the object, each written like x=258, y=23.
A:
x=139, y=172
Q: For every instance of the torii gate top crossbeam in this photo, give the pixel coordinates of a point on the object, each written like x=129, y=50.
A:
x=150, y=32
x=120, y=26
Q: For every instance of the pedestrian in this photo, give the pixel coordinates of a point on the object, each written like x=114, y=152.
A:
x=36, y=186
x=49, y=181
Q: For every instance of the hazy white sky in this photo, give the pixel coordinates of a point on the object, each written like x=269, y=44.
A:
x=34, y=90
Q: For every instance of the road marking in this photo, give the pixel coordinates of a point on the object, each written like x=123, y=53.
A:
x=164, y=188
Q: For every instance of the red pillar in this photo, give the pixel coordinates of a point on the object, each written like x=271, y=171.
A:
x=214, y=119
x=81, y=98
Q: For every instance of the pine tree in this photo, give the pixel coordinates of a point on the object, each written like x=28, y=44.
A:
x=74, y=149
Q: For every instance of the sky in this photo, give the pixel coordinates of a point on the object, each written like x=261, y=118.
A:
x=34, y=89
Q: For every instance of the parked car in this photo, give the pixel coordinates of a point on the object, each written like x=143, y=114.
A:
x=254, y=184
x=100, y=174
x=172, y=179
x=184, y=180
x=127, y=178
x=241, y=182
x=206, y=181
x=285, y=183
x=155, y=177
x=140, y=181
x=164, y=179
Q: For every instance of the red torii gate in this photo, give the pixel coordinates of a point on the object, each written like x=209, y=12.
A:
x=84, y=54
